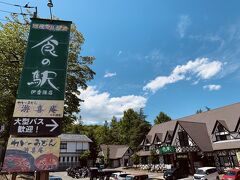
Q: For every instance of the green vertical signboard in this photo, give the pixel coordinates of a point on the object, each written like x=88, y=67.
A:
x=45, y=65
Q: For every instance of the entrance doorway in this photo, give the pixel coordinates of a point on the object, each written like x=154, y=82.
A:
x=182, y=161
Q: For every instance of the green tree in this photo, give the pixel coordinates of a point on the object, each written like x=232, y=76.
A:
x=199, y=111
x=161, y=118
x=154, y=157
x=13, y=40
x=107, y=157
x=114, y=131
x=94, y=147
x=135, y=159
x=102, y=134
x=84, y=157
x=133, y=128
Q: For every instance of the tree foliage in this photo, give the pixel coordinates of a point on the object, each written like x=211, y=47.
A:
x=154, y=157
x=84, y=157
x=135, y=159
x=13, y=41
x=161, y=118
x=130, y=130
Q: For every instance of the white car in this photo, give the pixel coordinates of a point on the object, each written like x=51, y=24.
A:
x=206, y=173
x=118, y=176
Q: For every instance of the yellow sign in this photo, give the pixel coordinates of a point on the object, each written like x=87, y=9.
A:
x=38, y=108
x=31, y=154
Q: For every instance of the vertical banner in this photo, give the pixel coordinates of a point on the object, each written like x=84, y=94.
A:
x=44, y=71
x=40, y=99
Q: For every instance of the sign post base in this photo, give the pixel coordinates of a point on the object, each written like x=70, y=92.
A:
x=43, y=175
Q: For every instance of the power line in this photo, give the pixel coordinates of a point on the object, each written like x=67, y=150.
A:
x=25, y=14
x=26, y=6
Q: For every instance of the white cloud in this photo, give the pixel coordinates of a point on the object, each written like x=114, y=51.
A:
x=109, y=74
x=201, y=68
x=183, y=24
x=98, y=107
x=212, y=87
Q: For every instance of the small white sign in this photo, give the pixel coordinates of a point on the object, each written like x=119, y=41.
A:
x=38, y=108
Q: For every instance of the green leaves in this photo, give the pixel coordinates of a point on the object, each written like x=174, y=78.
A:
x=161, y=118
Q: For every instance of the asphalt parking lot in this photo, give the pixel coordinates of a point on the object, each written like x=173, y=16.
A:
x=64, y=175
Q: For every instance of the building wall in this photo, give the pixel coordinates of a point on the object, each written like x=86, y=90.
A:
x=75, y=146
x=126, y=159
x=70, y=154
x=115, y=163
x=226, y=158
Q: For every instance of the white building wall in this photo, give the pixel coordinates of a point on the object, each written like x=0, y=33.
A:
x=70, y=155
x=82, y=146
x=71, y=146
x=79, y=145
x=63, y=150
x=85, y=146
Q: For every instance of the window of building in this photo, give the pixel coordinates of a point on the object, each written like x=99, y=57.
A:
x=63, y=159
x=221, y=133
x=76, y=159
x=71, y=159
x=63, y=145
x=220, y=128
x=183, y=138
x=146, y=148
x=67, y=159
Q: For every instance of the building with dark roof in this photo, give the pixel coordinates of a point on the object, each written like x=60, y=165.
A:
x=119, y=155
x=210, y=138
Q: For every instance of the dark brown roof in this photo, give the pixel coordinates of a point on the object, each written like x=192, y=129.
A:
x=148, y=139
x=157, y=136
x=198, y=133
x=228, y=116
x=161, y=128
x=115, y=151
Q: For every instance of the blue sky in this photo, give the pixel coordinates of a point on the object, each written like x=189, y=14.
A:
x=169, y=55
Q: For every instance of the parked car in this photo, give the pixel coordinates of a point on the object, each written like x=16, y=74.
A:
x=137, y=177
x=55, y=178
x=233, y=174
x=206, y=173
x=118, y=176
x=174, y=173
